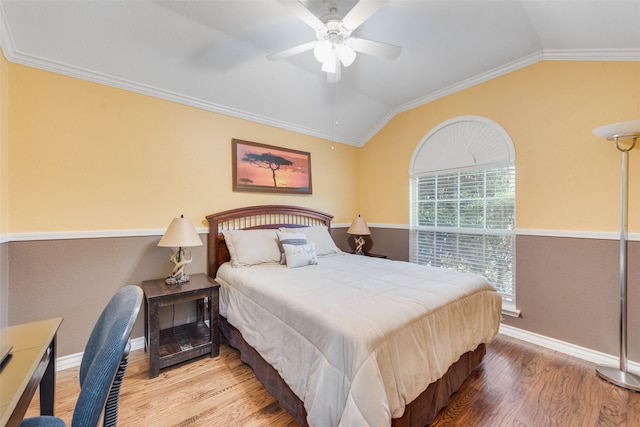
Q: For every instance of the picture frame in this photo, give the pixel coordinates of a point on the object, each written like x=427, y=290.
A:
x=269, y=169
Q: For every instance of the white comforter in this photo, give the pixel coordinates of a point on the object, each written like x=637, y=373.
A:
x=357, y=338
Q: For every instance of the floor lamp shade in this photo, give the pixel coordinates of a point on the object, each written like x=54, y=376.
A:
x=180, y=234
x=624, y=135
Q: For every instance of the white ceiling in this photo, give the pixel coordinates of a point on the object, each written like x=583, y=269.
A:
x=212, y=54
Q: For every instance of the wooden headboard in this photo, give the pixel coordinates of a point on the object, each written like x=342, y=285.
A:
x=255, y=217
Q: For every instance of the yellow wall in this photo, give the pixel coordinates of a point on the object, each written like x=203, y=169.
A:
x=90, y=157
x=567, y=178
x=4, y=145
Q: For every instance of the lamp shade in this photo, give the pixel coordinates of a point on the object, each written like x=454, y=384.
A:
x=620, y=130
x=323, y=50
x=330, y=64
x=359, y=227
x=346, y=54
x=180, y=234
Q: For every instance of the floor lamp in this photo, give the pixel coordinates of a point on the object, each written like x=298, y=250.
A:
x=624, y=135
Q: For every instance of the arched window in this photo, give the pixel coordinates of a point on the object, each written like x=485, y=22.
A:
x=463, y=201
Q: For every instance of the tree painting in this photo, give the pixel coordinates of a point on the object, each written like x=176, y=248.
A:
x=265, y=168
x=267, y=161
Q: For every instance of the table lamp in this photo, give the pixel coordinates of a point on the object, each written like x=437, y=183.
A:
x=360, y=229
x=180, y=234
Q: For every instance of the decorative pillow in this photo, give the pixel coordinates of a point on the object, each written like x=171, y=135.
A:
x=290, y=238
x=320, y=236
x=252, y=247
x=300, y=255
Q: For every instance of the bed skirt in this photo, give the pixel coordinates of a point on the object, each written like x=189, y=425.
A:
x=418, y=413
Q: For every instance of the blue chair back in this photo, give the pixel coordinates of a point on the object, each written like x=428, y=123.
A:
x=103, y=364
x=107, y=344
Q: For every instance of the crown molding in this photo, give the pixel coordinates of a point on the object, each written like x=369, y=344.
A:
x=542, y=55
x=12, y=55
x=167, y=95
x=17, y=57
x=591, y=55
x=480, y=78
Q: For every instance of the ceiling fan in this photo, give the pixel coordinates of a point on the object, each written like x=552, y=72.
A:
x=334, y=44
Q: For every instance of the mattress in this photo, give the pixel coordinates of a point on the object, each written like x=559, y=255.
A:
x=357, y=338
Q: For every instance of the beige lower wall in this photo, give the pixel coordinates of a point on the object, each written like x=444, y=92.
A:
x=75, y=279
x=567, y=288
x=4, y=284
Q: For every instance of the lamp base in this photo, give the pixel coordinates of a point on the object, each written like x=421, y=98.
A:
x=620, y=378
x=176, y=280
x=359, y=241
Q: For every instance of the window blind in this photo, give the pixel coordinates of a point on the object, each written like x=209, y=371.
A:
x=466, y=221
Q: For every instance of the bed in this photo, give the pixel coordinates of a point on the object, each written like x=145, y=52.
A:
x=342, y=339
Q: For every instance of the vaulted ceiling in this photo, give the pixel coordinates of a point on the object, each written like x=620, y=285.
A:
x=213, y=54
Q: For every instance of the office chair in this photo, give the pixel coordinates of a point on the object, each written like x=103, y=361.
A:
x=103, y=364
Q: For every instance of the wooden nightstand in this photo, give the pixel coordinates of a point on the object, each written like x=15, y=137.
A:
x=174, y=345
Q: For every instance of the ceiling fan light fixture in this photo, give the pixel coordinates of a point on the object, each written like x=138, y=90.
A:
x=330, y=65
x=334, y=47
x=346, y=54
x=323, y=51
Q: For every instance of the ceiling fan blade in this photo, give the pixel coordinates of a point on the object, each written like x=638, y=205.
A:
x=369, y=47
x=361, y=12
x=291, y=51
x=303, y=13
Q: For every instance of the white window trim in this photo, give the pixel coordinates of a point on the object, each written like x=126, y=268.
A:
x=462, y=143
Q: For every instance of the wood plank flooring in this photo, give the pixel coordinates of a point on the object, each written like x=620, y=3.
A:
x=517, y=385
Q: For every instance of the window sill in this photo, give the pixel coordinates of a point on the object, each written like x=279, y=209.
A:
x=509, y=309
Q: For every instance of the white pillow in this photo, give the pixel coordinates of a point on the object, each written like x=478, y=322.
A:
x=300, y=255
x=319, y=235
x=289, y=238
x=252, y=247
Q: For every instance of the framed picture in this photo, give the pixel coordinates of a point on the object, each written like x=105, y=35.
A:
x=265, y=168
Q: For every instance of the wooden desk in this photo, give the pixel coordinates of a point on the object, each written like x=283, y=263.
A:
x=32, y=364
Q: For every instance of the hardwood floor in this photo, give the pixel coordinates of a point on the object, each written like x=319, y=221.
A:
x=518, y=384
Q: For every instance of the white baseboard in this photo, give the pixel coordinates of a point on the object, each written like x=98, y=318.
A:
x=583, y=353
x=73, y=360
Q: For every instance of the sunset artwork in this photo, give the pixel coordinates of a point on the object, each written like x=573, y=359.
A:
x=265, y=168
